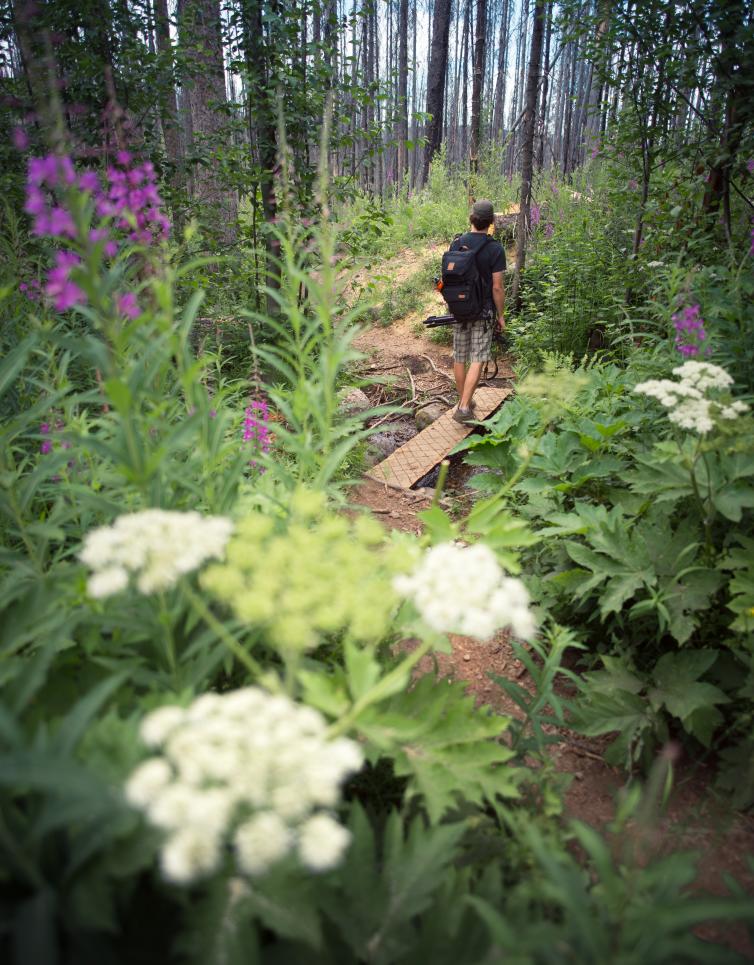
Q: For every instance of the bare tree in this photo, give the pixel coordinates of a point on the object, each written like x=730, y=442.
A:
x=201, y=39
x=527, y=147
x=402, y=105
x=438, y=62
x=476, y=94
x=169, y=119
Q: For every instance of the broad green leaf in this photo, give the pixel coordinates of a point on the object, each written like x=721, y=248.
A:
x=447, y=747
x=324, y=692
x=677, y=686
x=362, y=669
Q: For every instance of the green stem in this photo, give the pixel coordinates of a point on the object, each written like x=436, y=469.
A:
x=442, y=476
x=223, y=633
x=706, y=510
x=525, y=464
x=382, y=688
x=168, y=631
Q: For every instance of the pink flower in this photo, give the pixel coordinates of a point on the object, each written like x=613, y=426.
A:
x=535, y=215
x=32, y=290
x=633, y=185
x=256, y=428
x=128, y=306
x=35, y=202
x=60, y=223
x=20, y=139
x=689, y=328
x=64, y=293
x=549, y=230
x=42, y=170
x=88, y=181
x=750, y=165
x=123, y=157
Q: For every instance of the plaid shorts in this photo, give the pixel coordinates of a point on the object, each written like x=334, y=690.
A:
x=472, y=341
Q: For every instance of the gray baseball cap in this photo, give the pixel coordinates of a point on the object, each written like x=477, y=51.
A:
x=483, y=209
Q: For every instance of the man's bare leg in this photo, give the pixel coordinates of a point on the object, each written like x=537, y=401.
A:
x=471, y=381
x=459, y=370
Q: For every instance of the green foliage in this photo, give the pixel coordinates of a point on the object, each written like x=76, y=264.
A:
x=643, y=547
x=449, y=858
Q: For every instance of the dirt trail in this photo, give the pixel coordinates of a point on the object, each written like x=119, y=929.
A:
x=694, y=820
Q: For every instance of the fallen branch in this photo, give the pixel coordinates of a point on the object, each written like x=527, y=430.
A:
x=435, y=398
x=385, y=418
x=445, y=375
x=413, y=384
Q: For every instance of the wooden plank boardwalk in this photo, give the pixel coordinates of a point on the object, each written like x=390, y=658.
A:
x=421, y=454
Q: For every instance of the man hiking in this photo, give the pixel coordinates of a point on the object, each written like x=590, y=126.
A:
x=472, y=339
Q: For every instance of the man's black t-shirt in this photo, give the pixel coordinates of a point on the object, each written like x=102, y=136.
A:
x=489, y=260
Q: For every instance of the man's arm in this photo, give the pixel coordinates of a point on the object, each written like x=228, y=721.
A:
x=498, y=297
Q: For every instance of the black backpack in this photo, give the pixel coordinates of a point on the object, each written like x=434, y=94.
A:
x=462, y=285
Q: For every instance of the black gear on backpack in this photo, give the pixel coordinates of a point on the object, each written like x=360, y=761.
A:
x=462, y=285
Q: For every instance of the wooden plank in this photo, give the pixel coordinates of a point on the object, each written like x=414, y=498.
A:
x=421, y=454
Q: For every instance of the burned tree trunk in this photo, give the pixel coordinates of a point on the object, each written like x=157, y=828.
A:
x=476, y=93
x=527, y=147
x=438, y=62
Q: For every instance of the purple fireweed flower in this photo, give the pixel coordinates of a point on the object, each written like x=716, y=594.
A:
x=633, y=185
x=32, y=289
x=549, y=230
x=64, y=293
x=35, y=201
x=45, y=447
x=88, y=181
x=60, y=223
x=535, y=214
x=750, y=165
x=128, y=306
x=256, y=427
x=42, y=170
x=596, y=150
x=20, y=139
x=123, y=158
x=689, y=329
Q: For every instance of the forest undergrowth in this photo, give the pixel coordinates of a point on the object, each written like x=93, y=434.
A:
x=209, y=708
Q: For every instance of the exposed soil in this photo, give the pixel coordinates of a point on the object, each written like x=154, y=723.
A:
x=693, y=820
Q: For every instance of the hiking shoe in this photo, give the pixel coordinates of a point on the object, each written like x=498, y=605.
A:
x=465, y=416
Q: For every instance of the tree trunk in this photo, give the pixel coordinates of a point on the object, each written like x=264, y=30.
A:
x=465, y=80
x=527, y=147
x=402, y=100
x=201, y=38
x=476, y=94
x=568, y=109
x=414, y=102
x=438, y=62
x=169, y=119
x=502, y=69
x=542, y=118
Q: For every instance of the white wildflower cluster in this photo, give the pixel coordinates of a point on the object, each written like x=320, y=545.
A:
x=247, y=772
x=687, y=401
x=462, y=589
x=157, y=546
